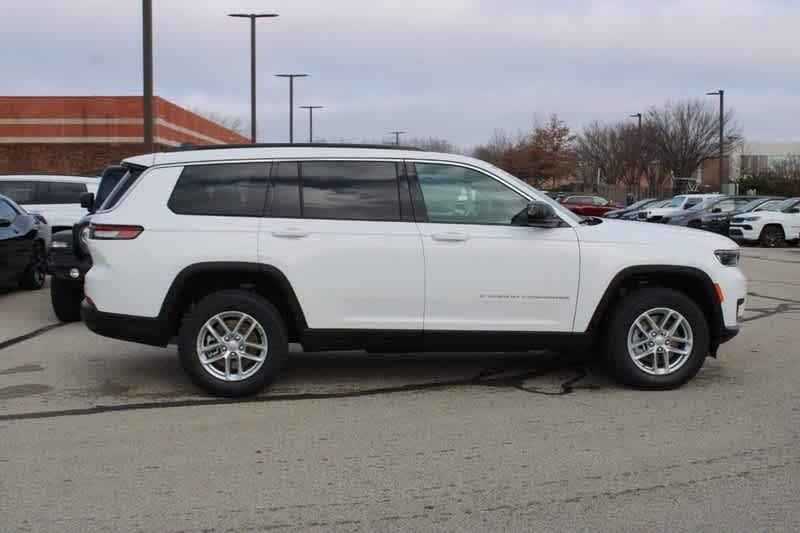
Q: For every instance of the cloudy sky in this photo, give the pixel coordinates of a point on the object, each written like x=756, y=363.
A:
x=455, y=69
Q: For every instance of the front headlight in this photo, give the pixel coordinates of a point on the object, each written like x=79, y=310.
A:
x=748, y=219
x=728, y=257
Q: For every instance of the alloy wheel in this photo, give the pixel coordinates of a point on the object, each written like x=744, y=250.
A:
x=660, y=341
x=232, y=346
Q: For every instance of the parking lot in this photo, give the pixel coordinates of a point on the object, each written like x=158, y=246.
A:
x=101, y=434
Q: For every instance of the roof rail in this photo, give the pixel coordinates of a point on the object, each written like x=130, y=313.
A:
x=189, y=146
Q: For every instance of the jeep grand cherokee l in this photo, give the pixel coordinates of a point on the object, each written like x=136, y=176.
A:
x=233, y=252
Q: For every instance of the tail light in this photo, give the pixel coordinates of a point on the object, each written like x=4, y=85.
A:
x=110, y=232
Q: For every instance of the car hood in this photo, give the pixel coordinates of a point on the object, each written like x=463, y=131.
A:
x=657, y=235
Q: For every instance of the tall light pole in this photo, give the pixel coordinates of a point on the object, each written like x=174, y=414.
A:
x=291, y=101
x=723, y=178
x=311, y=109
x=253, y=17
x=147, y=74
x=397, y=135
x=639, y=116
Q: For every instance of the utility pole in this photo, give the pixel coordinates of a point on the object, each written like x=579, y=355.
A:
x=639, y=116
x=723, y=176
x=253, y=17
x=397, y=135
x=311, y=109
x=291, y=101
x=147, y=74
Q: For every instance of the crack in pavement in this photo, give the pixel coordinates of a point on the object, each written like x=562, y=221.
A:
x=485, y=378
x=32, y=334
x=786, y=305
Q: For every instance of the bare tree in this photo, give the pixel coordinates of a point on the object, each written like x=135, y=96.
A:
x=684, y=134
x=494, y=150
x=598, y=151
x=789, y=167
x=432, y=144
x=233, y=123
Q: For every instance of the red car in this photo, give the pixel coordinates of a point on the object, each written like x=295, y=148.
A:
x=590, y=206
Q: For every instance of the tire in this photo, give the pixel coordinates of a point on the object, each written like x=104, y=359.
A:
x=231, y=307
x=659, y=302
x=772, y=236
x=66, y=300
x=33, y=277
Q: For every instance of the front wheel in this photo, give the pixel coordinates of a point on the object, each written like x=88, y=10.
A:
x=33, y=277
x=657, y=339
x=233, y=343
x=772, y=237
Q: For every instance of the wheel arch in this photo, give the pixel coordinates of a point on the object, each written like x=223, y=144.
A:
x=691, y=281
x=201, y=279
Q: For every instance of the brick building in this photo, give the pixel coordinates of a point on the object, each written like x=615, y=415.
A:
x=82, y=134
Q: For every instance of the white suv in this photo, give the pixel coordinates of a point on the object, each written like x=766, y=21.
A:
x=677, y=204
x=771, y=226
x=56, y=198
x=232, y=253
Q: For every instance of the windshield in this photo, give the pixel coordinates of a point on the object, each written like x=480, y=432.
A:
x=676, y=202
x=641, y=203
x=786, y=204
x=749, y=206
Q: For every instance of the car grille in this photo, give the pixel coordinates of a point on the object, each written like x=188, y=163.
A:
x=735, y=232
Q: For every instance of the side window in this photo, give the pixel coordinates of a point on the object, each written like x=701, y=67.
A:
x=6, y=211
x=460, y=195
x=725, y=206
x=53, y=192
x=235, y=190
x=22, y=192
x=285, y=195
x=599, y=201
x=691, y=202
x=119, y=190
x=350, y=190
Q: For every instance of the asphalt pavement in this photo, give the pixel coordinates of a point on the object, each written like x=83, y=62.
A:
x=98, y=434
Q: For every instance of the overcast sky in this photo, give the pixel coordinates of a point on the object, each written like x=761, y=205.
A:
x=455, y=69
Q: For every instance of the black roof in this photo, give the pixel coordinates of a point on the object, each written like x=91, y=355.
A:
x=190, y=146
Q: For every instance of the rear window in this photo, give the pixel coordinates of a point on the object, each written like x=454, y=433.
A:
x=42, y=192
x=119, y=190
x=236, y=190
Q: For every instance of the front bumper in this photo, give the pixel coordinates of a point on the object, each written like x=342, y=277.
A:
x=743, y=232
x=60, y=265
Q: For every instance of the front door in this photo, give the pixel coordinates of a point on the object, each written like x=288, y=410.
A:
x=484, y=271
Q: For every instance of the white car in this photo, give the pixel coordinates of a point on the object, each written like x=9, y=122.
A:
x=232, y=253
x=56, y=198
x=771, y=227
x=678, y=203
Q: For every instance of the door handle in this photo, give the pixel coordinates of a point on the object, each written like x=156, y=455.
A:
x=450, y=236
x=290, y=233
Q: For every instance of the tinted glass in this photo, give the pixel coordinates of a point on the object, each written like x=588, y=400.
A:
x=22, y=192
x=60, y=193
x=691, y=202
x=285, y=200
x=236, y=190
x=357, y=190
x=600, y=201
x=460, y=195
x=111, y=177
x=6, y=211
x=120, y=189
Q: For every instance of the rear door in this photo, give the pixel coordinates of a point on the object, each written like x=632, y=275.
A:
x=343, y=234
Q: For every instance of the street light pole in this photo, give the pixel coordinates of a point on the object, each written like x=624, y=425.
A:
x=291, y=101
x=253, y=17
x=639, y=116
x=397, y=135
x=723, y=178
x=147, y=74
x=311, y=109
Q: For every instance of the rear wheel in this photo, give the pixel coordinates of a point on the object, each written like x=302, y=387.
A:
x=33, y=277
x=66, y=299
x=772, y=236
x=233, y=343
x=657, y=339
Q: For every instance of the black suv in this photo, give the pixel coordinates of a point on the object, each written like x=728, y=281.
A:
x=69, y=259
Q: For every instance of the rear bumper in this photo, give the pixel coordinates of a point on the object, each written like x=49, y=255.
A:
x=152, y=331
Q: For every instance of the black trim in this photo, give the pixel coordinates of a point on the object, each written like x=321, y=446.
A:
x=440, y=341
x=636, y=274
x=417, y=200
x=150, y=331
x=194, y=147
x=169, y=313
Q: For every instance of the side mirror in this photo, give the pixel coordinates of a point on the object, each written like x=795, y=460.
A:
x=87, y=200
x=4, y=223
x=542, y=215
